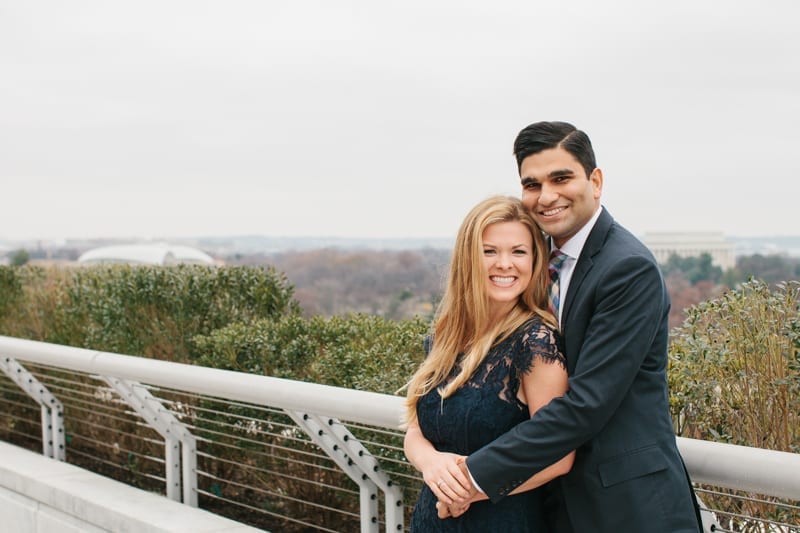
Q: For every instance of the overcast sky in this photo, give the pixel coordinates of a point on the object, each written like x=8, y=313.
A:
x=179, y=118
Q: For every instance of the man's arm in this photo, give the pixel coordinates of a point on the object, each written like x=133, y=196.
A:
x=543, y=382
x=629, y=307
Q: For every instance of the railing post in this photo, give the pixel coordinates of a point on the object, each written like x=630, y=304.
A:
x=358, y=464
x=174, y=433
x=172, y=465
x=52, y=415
x=189, y=455
x=393, y=496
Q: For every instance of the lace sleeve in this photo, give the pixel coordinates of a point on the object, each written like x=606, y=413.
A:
x=538, y=341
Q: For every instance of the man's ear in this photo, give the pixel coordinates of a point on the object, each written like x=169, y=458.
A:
x=596, y=178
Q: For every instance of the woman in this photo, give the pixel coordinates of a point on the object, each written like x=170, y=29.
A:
x=493, y=360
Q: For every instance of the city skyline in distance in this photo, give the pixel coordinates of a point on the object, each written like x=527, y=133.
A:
x=264, y=244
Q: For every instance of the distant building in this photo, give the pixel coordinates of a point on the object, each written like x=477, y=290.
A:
x=146, y=254
x=663, y=245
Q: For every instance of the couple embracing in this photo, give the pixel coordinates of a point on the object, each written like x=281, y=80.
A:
x=542, y=405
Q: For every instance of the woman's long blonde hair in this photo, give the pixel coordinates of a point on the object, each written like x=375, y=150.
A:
x=462, y=323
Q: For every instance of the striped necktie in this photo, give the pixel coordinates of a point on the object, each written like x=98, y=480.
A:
x=557, y=258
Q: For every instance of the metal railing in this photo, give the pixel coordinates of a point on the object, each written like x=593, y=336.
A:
x=288, y=455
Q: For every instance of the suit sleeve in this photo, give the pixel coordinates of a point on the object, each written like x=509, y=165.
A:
x=629, y=303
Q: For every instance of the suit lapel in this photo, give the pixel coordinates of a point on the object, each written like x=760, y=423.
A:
x=593, y=244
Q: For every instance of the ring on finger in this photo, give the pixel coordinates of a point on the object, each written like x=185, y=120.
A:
x=439, y=483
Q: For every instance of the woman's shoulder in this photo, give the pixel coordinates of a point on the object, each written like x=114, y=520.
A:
x=536, y=338
x=535, y=324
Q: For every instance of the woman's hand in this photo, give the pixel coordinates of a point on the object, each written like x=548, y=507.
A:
x=444, y=477
x=440, y=470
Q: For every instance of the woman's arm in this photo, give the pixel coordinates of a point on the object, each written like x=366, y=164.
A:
x=545, y=381
x=440, y=472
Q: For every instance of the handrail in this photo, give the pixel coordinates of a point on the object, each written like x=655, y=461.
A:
x=767, y=472
x=357, y=406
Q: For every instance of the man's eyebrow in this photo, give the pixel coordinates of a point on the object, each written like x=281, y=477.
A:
x=553, y=174
x=561, y=172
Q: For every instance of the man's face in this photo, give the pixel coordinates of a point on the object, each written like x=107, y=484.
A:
x=557, y=193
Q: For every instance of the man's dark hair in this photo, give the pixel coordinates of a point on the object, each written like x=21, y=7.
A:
x=542, y=136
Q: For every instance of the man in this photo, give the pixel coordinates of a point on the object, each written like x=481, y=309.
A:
x=628, y=474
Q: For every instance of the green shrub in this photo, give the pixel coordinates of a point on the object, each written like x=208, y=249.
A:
x=10, y=289
x=735, y=378
x=280, y=347
x=142, y=310
x=354, y=351
x=367, y=352
x=37, y=310
x=735, y=368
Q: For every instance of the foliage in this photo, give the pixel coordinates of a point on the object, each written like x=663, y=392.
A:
x=36, y=311
x=142, y=310
x=280, y=347
x=735, y=371
x=392, y=284
x=771, y=269
x=20, y=257
x=355, y=351
x=691, y=280
x=683, y=295
x=10, y=289
x=735, y=365
x=695, y=269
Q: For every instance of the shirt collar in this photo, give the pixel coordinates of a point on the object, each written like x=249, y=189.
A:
x=574, y=245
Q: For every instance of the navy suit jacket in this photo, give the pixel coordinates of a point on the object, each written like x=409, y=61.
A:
x=628, y=474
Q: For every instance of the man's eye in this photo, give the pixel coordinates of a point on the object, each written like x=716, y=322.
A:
x=531, y=186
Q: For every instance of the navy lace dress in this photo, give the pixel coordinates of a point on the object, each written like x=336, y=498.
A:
x=481, y=410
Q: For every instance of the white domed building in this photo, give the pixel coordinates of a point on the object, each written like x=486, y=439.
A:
x=146, y=254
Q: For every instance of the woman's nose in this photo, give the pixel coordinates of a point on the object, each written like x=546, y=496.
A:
x=503, y=260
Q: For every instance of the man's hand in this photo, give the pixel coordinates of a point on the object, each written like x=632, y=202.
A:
x=447, y=511
x=461, y=462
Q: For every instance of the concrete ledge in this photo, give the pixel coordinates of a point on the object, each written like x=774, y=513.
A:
x=42, y=495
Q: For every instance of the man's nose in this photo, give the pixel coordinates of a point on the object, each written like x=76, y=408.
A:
x=547, y=194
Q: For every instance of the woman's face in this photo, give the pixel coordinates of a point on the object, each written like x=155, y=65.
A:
x=508, y=264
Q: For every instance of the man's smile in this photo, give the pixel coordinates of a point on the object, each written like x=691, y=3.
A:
x=552, y=212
